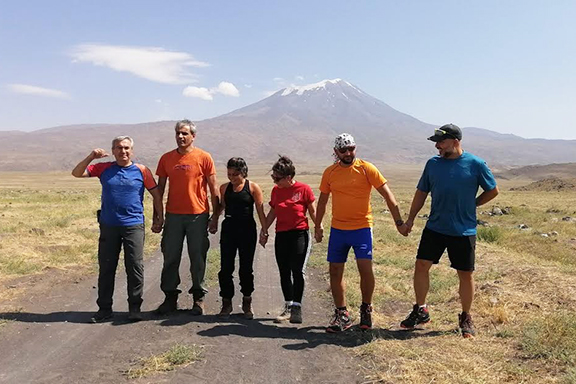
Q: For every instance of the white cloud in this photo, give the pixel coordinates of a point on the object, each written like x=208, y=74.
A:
x=199, y=92
x=151, y=63
x=299, y=78
x=248, y=85
x=227, y=89
x=38, y=91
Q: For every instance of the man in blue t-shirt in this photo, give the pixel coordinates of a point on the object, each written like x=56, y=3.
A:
x=453, y=178
x=121, y=221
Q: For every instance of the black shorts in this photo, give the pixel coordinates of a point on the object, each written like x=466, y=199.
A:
x=461, y=249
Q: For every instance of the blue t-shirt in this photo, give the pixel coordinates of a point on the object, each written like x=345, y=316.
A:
x=122, y=192
x=453, y=184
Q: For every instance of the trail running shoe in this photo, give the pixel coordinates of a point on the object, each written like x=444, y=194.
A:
x=296, y=314
x=417, y=316
x=366, y=316
x=285, y=315
x=466, y=325
x=102, y=315
x=340, y=321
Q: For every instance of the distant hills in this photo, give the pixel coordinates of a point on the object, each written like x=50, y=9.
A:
x=300, y=122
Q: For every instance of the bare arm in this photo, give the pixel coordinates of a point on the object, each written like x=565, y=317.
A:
x=158, y=218
x=320, y=212
x=417, y=204
x=392, y=204
x=159, y=212
x=486, y=196
x=215, y=199
x=264, y=232
x=80, y=169
x=259, y=203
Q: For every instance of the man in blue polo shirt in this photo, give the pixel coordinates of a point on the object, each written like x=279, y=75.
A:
x=121, y=222
x=453, y=178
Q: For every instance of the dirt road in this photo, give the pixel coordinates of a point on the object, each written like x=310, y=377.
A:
x=50, y=340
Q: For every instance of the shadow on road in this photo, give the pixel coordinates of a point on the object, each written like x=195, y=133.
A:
x=76, y=317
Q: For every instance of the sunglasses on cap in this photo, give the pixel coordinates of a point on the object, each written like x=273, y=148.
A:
x=441, y=132
x=346, y=149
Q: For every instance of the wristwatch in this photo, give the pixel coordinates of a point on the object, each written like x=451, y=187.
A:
x=399, y=222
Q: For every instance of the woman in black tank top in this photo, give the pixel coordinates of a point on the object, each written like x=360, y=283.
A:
x=238, y=234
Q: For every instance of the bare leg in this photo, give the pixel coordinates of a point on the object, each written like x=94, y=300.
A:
x=422, y=280
x=466, y=290
x=366, y=279
x=337, y=284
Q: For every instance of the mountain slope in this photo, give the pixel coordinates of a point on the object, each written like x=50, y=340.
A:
x=300, y=122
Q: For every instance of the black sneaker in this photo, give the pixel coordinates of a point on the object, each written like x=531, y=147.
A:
x=169, y=305
x=340, y=321
x=366, y=316
x=417, y=316
x=102, y=315
x=466, y=325
x=296, y=314
x=134, y=313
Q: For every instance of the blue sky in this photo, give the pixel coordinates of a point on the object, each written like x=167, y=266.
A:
x=507, y=66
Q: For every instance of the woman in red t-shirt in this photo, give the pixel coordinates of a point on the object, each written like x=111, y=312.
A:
x=289, y=202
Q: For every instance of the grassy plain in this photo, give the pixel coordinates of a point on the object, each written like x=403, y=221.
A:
x=526, y=282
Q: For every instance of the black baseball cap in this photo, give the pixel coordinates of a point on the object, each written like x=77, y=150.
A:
x=447, y=131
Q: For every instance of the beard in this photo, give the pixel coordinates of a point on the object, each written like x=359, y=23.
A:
x=347, y=159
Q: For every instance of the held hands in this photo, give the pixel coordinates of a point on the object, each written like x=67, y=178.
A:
x=157, y=224
x=99, y=153
x=263, y=238
x=318, y=234
x=213, y=225
x=406, y=227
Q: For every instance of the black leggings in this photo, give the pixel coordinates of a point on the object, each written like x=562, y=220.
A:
x=237, y=236
x=292, y=250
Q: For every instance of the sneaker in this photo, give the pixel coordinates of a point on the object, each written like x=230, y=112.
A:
x=366, y=316
x=340, y=321
x=417, y=316
x=102, y=315
x=134, y=313
x=466, y=325
x=169, y=305
x=285, y=315
x=247, y=307
x=197, y=308
x=296, y=314
x=226, y=308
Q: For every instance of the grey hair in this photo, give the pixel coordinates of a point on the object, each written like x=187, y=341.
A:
x=118, y=139
x=186, y=124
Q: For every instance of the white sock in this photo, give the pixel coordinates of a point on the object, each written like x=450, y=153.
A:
x=422, y=306
x=296, y=304
x=289, y=303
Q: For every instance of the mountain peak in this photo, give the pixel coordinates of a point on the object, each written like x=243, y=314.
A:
x=299, y=90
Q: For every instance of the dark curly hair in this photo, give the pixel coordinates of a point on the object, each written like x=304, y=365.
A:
x=284, y=167
x=239, y=165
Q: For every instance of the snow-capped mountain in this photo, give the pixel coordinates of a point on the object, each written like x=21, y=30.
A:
x=300, y=122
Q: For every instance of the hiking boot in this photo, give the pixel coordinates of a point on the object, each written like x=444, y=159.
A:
x=417, y=316
x=226, y=308
x=102, y=315
x=285, y=315
x=197, y=308
x=134, y=313
x=466, y=325
x=247, y=307
x=340, y=321
x=366, y=316
x=296, y=314
x=169, y=305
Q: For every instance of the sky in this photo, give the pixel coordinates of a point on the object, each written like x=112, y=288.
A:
x=506, y=66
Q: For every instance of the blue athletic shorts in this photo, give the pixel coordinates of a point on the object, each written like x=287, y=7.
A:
x=341, y=241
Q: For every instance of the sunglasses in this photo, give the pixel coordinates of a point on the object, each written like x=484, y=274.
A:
x=346, y=149
x=441, y=132
x=277, y=178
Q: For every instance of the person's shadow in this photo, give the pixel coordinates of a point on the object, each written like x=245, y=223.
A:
x=308, y=336
x=75, y=317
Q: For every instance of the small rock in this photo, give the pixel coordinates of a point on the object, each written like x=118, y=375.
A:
x=493, y=300
x=544, y=234
x=497, y=211
x=523, y=226
x=567, y=218
x=385, y=211
x=38, y=231
x=482, y=223
x=553, y=233
x=507, y=210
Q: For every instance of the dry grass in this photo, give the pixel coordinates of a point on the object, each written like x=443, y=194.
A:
x=176, y=357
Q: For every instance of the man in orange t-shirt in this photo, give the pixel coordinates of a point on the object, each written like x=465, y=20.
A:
x=191, y=172
x=350, y=181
